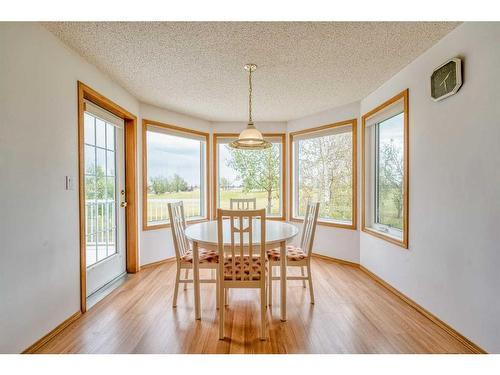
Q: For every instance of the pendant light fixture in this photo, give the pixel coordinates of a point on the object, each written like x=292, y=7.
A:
x=250, y=138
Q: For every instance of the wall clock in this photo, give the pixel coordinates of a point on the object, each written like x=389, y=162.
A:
x=446, y=79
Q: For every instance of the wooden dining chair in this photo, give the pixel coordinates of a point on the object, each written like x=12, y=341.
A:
x=242, y=264
x=297, y=256
x=240, y=204
x=243, y=203
x=208, y=259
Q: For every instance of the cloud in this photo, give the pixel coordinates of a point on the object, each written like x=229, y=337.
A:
x=169, y=155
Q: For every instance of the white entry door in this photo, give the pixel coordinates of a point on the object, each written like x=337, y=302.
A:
x=104, y=197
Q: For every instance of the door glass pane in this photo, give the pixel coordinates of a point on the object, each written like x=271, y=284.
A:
x=100, y=161
x=389, y=172
x=110, y=137
x=100, y=133
x=100, y=190
x=89, y=159
x=112, y=243
x=89, y=130
x=89, y=188
x=110, y=188
x=110, y=163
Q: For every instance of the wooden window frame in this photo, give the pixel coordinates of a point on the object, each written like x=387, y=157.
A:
x=354, y=127
x=180, y=130
x=283, y=196
x=84, y=92
x=404, y=95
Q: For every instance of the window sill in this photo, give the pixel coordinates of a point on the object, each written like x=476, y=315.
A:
x=328, y=223
x=148, y=227
x=273, y=218
x=402, y=242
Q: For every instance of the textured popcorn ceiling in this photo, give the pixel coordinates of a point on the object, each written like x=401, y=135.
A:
x=197, y=68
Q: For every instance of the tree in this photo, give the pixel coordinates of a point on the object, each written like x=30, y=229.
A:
x=391, y=175
x=258, y=170
x=177, y=183
x=325, y=174
x=225, y=183
x=161, y=185
x=158, y=185
x=100, y=186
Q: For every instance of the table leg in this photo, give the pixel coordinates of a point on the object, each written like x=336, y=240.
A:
x=283, y=280
x=196, y=281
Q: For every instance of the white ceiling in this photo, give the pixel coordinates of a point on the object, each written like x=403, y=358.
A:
x=197, y=67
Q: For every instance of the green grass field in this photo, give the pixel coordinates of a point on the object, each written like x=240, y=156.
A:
x=261, y=196
x=158, y=210
x=389, y=211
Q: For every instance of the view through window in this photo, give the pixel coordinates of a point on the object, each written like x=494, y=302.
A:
x=323, y=172
x=385, y=170
x=175, y=171
x=250, y=174
x=389, y=172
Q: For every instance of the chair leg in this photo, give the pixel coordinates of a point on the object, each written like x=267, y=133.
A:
x=309, y=278
x=226, y=296
x=176, y=288
x=186, y=276
x=270, y=285
x=221, y=312
x=217, y=293
x=263, y=311
x=302, y=273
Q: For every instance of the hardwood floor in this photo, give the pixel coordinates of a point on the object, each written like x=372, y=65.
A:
x=352, y=314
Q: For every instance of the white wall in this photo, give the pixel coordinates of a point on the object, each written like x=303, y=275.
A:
x=330, y=241
x=452, y=265
x=39, y=241
x=156, y=244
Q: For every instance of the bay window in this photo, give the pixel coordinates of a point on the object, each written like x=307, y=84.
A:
x=258, y=174
x=385, y=171
x=175, y=163
x=323, y=165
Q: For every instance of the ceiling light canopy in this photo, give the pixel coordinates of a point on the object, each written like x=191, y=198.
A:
x=250, y=138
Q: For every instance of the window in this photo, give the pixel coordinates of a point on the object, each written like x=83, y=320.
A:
x=323, y=165
x=175, y=169
x=250, y=174
x=385, y=171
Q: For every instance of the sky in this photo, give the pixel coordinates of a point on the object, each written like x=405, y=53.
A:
x=224, y=170
x=393, y=129
x=168, y=154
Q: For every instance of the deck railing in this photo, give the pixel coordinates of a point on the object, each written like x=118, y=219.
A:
x=158, y=208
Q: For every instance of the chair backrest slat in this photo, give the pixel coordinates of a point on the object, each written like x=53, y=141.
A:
x=178, y=226
x=243, y=204
x=309, y=227
x=242, y=224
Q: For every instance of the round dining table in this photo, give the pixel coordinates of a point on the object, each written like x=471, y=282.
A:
x=204, y=235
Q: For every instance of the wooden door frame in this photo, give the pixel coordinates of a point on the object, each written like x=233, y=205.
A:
x=131, y=224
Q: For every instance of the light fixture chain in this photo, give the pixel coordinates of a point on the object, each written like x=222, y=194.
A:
x=250, y=138
x=250, y=95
